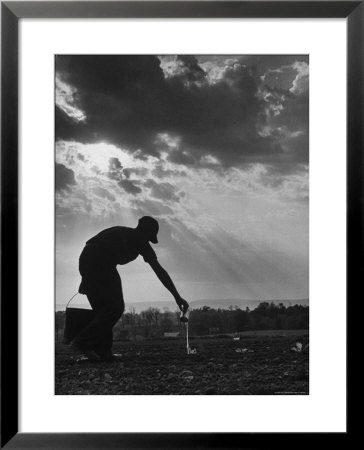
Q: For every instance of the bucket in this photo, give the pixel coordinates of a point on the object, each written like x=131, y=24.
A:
x=76, y=320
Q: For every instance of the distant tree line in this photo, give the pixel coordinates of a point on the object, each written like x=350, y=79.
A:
x=153, y=323
x=267, y=316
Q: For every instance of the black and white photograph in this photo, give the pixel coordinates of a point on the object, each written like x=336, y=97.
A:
x=182, y=224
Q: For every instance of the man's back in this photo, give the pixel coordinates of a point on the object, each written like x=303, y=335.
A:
x=123, y=244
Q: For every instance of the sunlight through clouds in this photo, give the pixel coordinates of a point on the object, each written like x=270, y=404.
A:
x=215, y=148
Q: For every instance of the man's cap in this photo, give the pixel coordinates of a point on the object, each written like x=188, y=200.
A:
x=150, y=227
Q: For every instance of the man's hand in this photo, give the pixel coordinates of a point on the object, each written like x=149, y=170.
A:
x=182, y=304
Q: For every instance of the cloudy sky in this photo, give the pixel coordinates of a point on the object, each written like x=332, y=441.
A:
x=215, y=147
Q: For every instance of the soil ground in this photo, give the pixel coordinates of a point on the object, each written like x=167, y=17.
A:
x=256, y=365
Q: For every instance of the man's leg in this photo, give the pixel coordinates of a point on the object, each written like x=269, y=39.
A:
x=109, y=317
x=107, y=301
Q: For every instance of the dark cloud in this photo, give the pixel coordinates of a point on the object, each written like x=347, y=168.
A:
x=140, y=171
x=130, y=187
x=264, y=64
x=161, y=172
x=65, y=178
x=128, y=101
x=104, y=193
x=118, y=94
x=115, y=169
x=189, y=69
x=163, y=191
x=294, y=117
x=118, y=173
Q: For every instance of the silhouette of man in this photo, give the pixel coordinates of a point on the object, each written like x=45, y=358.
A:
x=102, y=285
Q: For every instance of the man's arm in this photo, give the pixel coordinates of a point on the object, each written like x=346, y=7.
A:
x=167, y=282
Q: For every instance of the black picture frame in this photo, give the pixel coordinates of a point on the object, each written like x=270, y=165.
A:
x=11, y=13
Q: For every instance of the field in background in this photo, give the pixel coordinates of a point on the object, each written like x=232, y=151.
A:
x=154, y=323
